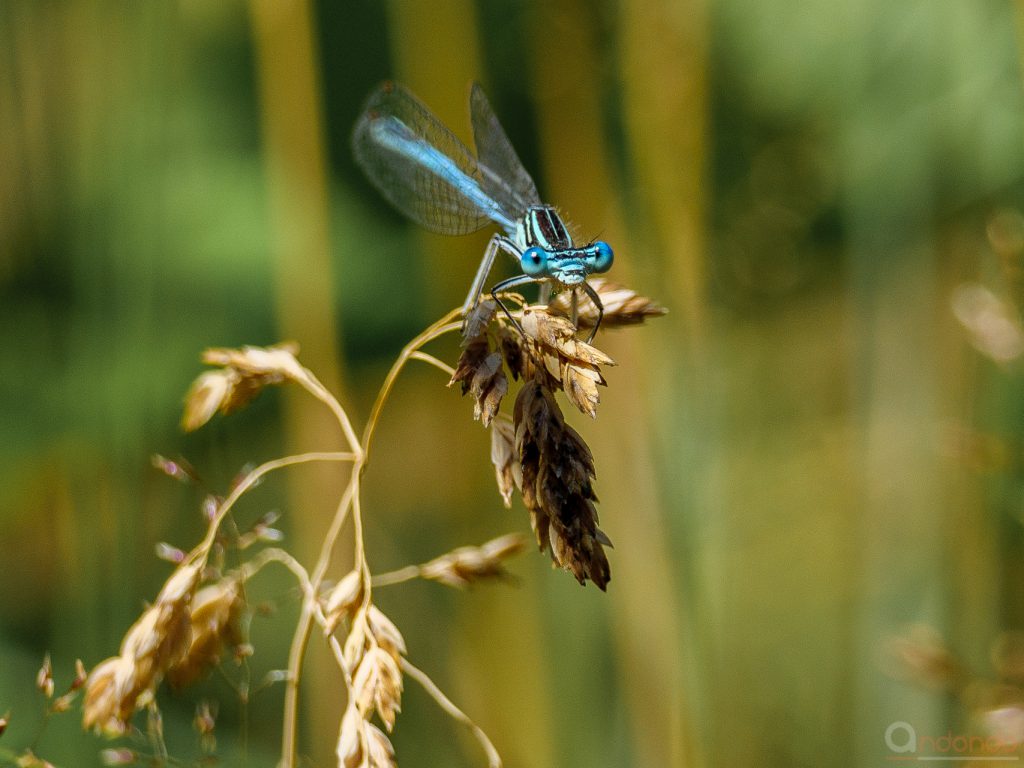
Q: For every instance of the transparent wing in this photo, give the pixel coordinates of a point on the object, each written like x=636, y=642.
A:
x=421, y=167
x=502, y=174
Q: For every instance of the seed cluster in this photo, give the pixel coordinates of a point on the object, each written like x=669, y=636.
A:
x=535, y=451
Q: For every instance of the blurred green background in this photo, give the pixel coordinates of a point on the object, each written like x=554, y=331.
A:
x=818, y=446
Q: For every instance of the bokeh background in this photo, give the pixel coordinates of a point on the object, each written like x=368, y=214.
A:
x=820, y=445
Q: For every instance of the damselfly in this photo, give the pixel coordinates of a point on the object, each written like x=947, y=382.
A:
x=429, y=175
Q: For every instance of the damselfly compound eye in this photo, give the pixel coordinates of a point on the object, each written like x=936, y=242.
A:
x=534, y=261
x=603, y=256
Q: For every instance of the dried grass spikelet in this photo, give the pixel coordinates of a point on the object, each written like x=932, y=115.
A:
x=479, y=369
x=362, y=744
x=570, y=364
x=377, y=684
x=352, y=749
x=215, y=620
x=622, y=306
x=385, y=633
x=503, y=456
x=465, y=565
x=241, y=375
x=373, y=649
x=555, y=475
x=380, y=752
x=44, y=677
x=342, y=599
x=118, y=686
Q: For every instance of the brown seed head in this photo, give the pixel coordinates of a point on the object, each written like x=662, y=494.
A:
x=205, y=720
x=110, y=695
x=215, y=624
x=503, y=456
x=479, y=369
x=153, y=644
x=622, y=306
x=556, y=474
x=277, y=360
x=356, y=641
x=476, y=322
x=466, y=565
x=569, y=364
x=242, y=374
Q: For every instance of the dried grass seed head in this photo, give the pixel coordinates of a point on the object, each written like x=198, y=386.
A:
x=160, y=637
x=478, y=319
x=480, y=373
x=466, y=565
x=565, y=362
x=341, y=601
x=241, y=375
x=503, y=456
x=110, y=696
x=557, y=470
x=622, y=306
x=216, y=625
x=479, y=369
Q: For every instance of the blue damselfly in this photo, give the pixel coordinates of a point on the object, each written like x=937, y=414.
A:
x=429, y=175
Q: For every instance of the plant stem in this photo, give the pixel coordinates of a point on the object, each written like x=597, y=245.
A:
x=421, y=677
x=305, y=625
x=350, y=499
x=250, y=479
x=439, y=328
x=408, y=573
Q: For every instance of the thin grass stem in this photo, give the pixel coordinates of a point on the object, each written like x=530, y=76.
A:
x=250, y=480
x=400, y=576
x=421, y=677
x=426, y=358
x=439, y=328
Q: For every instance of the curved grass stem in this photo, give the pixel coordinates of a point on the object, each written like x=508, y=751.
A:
x=421, y=677
x=350, y=502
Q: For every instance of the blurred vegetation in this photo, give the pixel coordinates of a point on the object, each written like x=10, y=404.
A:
x=818, y=446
